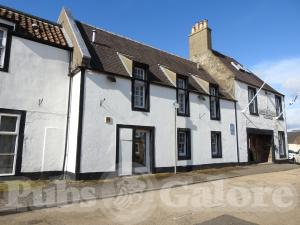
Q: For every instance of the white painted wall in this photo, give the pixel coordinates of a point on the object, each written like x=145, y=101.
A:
x=38, y=71
x=245, y=120
x=99, y=139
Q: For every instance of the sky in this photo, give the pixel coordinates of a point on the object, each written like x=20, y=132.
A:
x=263, y=35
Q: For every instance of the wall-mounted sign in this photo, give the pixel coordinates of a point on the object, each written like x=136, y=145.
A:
x=232, y=129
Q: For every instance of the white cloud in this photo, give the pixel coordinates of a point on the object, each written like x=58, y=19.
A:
x=284, y=75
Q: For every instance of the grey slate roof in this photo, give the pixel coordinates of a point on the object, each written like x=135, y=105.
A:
x=105, y=58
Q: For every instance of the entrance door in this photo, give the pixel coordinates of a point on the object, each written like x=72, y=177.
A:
x=9, y=134
x=135, y=150
x=125, y=151
x=260, y=148
x=141, y=151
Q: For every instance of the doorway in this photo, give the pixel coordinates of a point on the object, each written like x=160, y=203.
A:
x=135, y=150
x=260, y=146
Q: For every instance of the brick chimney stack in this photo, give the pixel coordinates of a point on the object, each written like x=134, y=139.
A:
x=200, y=39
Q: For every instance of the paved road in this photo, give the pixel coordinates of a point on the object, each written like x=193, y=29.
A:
x=270, y=198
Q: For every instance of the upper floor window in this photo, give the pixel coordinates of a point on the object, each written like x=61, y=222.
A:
x=252, y=99
x=278, y=104
x=281, y=144
x=3, y=38
x=182, y=97
x=216, y=144
x=140, y=88
x=5, y=41
x=184, y=144
x=214, y=102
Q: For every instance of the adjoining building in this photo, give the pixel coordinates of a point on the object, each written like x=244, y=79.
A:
x=34, y=87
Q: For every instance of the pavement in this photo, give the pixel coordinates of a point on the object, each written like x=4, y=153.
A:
x=238, y=195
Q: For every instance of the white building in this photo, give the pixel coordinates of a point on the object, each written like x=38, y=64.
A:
x=260, y=109
x=117, y=106
x=34, y=86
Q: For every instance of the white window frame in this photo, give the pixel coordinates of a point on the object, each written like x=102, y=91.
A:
x=139, y=94
x=254, y=104
x=3, y=48
x=183, y=143
x=15, y=133
x=216, y=144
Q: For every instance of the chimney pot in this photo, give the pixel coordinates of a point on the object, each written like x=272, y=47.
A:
x=93, y=36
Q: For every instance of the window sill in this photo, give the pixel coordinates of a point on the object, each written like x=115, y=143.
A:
x=254, y=114
x=183, y=158
x=140, y=109
x=216, y=157
x=217, y=119
x=183, y=114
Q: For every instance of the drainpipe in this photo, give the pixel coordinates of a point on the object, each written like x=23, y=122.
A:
x=176, y=106
x=237, y=135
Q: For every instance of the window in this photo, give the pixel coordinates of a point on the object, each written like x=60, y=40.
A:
x=253, y=109
x=214, y=102
x=182, y=97
x=278, y=104
x=281, y=144
x=5, y=41
x=216, y=144
x=184, y=144
x=140, y=88
x=9, y=132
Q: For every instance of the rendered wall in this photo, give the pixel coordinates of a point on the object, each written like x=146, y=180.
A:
x=99, y=138
x=265, y=101
x=38, y=82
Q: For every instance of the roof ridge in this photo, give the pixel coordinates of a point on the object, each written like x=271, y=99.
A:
x=138, y=42
x=30, y=15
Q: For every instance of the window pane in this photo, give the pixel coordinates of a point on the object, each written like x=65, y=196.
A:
x=8, y=123
x=181, y=101
x=139, y=94
x=139, y=73
x=7, y=143
x=6, y=164
x=181, y=83
x=181, y=144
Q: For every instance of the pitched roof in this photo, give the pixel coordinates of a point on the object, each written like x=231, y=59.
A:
x=243, y=76
x=46, y=32
x=105, y=49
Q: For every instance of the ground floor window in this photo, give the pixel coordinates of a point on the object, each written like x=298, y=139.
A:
x=216, y=144
x=184, y=144
x=281, y=144
x=9, y=133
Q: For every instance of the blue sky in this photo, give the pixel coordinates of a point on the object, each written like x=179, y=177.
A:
x=262, y=34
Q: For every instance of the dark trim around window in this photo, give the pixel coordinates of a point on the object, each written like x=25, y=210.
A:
x=219, y=136
x=277, y=97
x=187, y=96
x=217, y=98
x=147, y=91
x=7, y=47
x=254, y=102
x=187, y=132
x=20, y=139
x=284, y=144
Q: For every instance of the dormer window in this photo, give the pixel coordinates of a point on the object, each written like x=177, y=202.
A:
x=182, y=96
x=214, y=102
x=140, y=88
x=5, y=41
